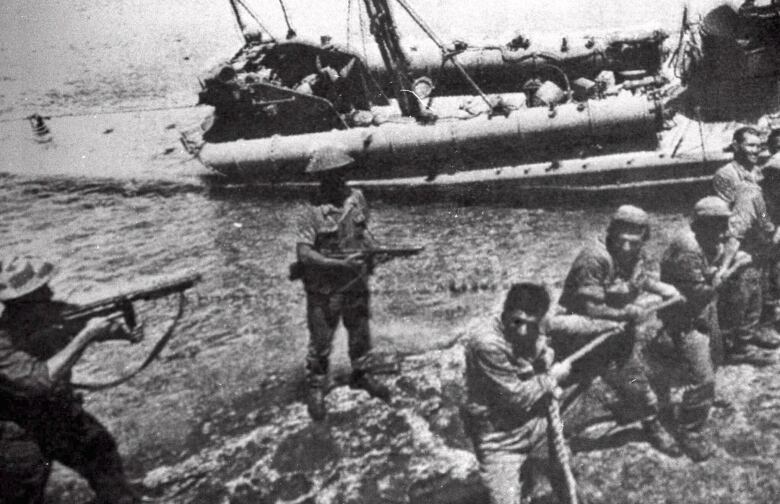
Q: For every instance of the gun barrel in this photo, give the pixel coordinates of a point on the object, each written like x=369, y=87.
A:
x=393, y=252
x=119, y=301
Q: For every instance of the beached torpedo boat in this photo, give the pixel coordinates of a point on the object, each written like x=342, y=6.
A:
x=593, y=113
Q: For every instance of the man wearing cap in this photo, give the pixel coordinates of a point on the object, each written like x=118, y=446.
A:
x=43, y=418
x=509, y=381
x=746, y=144
x=336, y=288
x=752, y=230
x=599, y=293
x=689, y=264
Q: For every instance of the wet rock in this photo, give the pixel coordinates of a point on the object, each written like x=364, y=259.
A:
x=413, y=450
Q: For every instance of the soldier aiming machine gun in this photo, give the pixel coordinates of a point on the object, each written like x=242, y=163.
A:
x=72, y=318
x=371, y=256
x=77, y=316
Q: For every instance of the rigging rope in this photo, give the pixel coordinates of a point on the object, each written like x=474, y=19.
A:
x=102, y=112
x=349, y=23
x=257, y=20
x=290, y=32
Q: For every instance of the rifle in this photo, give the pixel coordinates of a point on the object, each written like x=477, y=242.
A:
x=121, y=305
x=73, y=318
x=370, y=255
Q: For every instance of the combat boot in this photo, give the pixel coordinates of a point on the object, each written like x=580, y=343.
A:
x=742, y=353
x=765, y=337
x=697, y=445
x=363, y=380
x=660, y=438
x=315, y=403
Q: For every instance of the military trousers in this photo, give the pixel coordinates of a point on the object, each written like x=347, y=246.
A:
x=740, y=304
x=323, y=313
x=617, y=361
x=508, y=474
x=771, y=291
x=694, y=351
x=63, y=431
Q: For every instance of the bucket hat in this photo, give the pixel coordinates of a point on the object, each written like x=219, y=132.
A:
x=22, y=275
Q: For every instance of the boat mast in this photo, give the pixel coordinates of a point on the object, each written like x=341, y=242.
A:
x=386, y=36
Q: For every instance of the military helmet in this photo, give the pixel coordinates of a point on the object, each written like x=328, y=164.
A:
x=711, y=206
x=327, y=158
x=22, y=275
x=631, y=214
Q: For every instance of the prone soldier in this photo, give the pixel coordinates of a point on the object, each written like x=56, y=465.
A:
x=43, y=418
x=336, y=287
x=509, y=380
x=600, y=292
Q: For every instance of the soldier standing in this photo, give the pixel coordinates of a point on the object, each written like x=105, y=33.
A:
x=752, y=230
x=336, y=288
x=43, y=420
x=599, y=293
x=689, y=264
x=771, y=311
x=746, y=144
x=507, y=392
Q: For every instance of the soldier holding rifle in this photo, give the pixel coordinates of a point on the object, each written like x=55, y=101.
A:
x=42, y=418
x=336, y=284
x=600, y=294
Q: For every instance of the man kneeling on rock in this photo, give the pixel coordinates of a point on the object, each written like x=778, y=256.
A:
x=508, y=388
x=600, y=292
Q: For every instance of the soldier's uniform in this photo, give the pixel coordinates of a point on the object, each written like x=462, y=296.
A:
x=505, y=413
x=772, y=287
x=334, y=294
x=741, y=301
x=42, y=420
x=594, y=276
x=693, y=325
x=729, y=177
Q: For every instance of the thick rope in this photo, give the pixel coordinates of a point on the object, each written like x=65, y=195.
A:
x=559, y=447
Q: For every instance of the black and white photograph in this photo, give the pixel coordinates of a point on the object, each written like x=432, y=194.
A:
x=389, y=252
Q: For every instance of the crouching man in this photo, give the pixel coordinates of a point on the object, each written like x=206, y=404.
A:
x=601, y=292
x=689, y=263
x=508, y=391
x=42, y=418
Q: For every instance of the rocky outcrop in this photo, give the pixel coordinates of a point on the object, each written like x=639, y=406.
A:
x=413, y=450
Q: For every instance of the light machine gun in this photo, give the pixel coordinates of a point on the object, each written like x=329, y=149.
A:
x=77, y=316
x=72, y=318
x=372, y=256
